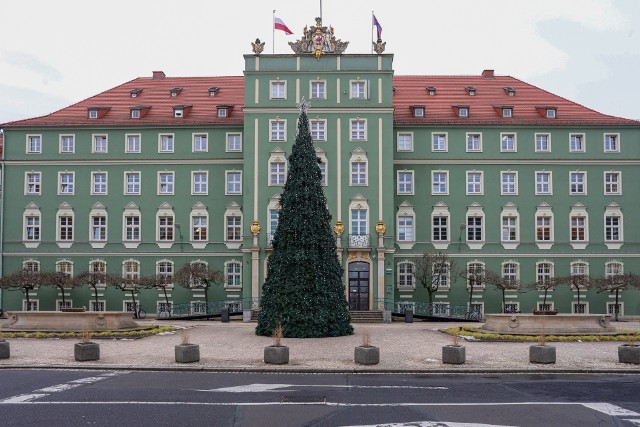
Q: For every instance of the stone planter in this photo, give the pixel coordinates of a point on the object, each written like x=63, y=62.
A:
x=542, y=354
x=629, y=353
x=454, y=354
x=276, y=355
x=86, y=351
x=187, y=353
x=5, y=351
x=367, y=355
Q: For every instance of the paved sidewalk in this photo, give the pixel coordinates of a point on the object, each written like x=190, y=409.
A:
x=234, y=346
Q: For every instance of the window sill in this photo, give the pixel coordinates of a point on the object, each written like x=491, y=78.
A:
x=544, y=245
x=98, y=245
x=406, y=245
x=440, y=246
x=510, y=245
x=131, y=245
x=31, y=245
x=579, y=245
x=233, y=245
x=64, y=245
x=199, y=245
x=164, y=245
x=477, y=245
x=616, y=245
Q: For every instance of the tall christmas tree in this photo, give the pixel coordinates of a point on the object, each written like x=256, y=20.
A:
x=303, y=290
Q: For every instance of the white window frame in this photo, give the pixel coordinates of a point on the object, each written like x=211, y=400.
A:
x=504, y=135
x=102, y=304
x=479, y=185
x=274, y=176
x=440, y=210
x=194, y=184
x=131, y=211
x=611, y=308
x=358, y=157
x=409, y=142
x=471, y=149
x=162, y=270
x=578, y=183
x=544, y=212
x=126, y=183
x=277, y=89
x=358, y=129
x=171, y=143
x=199, y=211
x=446, y=183
x=127, y=140
x=319, y=134
x=441, y=145
x=406, y=276
x=318, y=84
x=200, y=142
x=475, y=211
x=227, y=274
x=324, y=167
x=613, y=211
x=617, y=183
x=31, y=211
x=130, y=269
x=31, y=140
x=510, y=211
x=401, y=187
x=37, y=185
x=72, y=183
x=228, y=184
x=95, y=174
x=94, y=143
x=358, y=89
x=65, y=150
x=98, y=211
x=503, y=175
x=165, y=211
x=476, y=263
x=65, y=211
x=170, y=185
x=541, y=275
x=583, y=144
x=535, y=142
x=607, y=148
x=579, y=211
x=233, y=211
x=406, y=213
x=278, y=130
x=512, y=275
x=229, y=136
x=539, y=174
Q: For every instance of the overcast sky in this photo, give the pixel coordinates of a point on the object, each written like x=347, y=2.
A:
x=55, y=53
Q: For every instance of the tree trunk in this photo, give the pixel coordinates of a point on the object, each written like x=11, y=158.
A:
x=166, y=298
x=63, y=300
x=95, y=294
x=504, y=302
x=26, y=294
x=617, y=305
x=206, y=298
x=135, y=306
x=430, y=293
x=544, y=300
x=578, y=290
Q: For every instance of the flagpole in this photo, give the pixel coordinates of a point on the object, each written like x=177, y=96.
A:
x=321, y=10
x=371, y=30
x=273, y=32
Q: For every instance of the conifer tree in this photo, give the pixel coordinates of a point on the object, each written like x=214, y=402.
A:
x=303, y=290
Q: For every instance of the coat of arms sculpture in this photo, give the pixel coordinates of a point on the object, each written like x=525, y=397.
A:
x=318, y=40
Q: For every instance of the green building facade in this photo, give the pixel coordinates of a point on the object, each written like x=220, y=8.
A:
x=161, y=171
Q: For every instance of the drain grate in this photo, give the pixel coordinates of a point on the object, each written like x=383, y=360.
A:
x=304, y=399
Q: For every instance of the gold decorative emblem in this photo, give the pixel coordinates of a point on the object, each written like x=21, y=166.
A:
x=318, y=40
x=379, y=46
x=338, y=228
x=257, y=47
x=255, y=227
x=380, y=227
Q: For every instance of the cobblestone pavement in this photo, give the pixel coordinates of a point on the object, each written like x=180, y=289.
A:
x=415, y=347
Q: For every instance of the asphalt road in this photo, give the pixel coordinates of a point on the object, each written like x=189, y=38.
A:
x=128, y=398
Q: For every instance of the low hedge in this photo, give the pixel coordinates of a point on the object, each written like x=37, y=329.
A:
x=474, y=332
x=141, y=333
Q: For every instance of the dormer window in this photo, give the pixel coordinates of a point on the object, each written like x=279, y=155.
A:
x=222, y=111
x=418, y=110
x=175, y=91
x=178, y=112
x=213, y=91
x=135, y=114
x=135, y=92
x=93, y=114
x=547, y=111
x=463, y=112
x=510, y=91
x=97, y=112
x=507, y=112
x=470, y=90
x=551, y=113
x=139, y=111
x=431, y=91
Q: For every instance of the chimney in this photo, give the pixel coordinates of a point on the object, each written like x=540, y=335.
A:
x=158, y=75
x=488, y=74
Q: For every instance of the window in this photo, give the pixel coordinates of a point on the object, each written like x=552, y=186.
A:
x=33, y=183
x=418, y=111
x=222, y=111
x=200, y=143
x=67, y=144
x=612, y=226
x=99, y=306
x=474, y=142
x=578, y=229
x=165, y=182
x=405, y=228
x=100, y=144
x=358, y=90
x=359, y=222
x=34, y=144
x=234, y=142
x=98, y=183
x=199, y=182
x=475, y=274
x=508, y=142
x=405, y=142
x=358, y=173
x=440, y=274
x=576, y=143
x=406, y=277
x=474, y=183
x=543, y=183
x=510, y=273
x=612, y=269
x=98, y=228
x=277, y=173
x=509, y=183
x=131, y=270
x=133, y=144
x=165, y=228
x=579, y=274
x=358, y=130
x=278, y=130
x=97, y=266
x=323, y=172
x=132, y=228
x=65, y=228
x=135, y=114
x=66, y=180
x=439, y=183
x=551, y=113
x=543, y=229
x=474, y=228
x=278, y=90
x=440, y=228
x=32, y=228
x=93, y=114
x=509, y=229
x=132, y=183
x=578, y=183
x=318, y=90
x=199, y=228
x=612, y=183
x=166, y=143
x=544, y=272
x=273, y=222
x=234, y=228
x=512, y=307
x=234, y=182
x=507, y=112
x=164, y=270
x=463, y=112
x=318, y=130
x=405, y=182
x=439, y=141
x=543, y=142
x=233, y=274
x=611, y=143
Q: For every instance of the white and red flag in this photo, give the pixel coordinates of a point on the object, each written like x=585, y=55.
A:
x=278, y=24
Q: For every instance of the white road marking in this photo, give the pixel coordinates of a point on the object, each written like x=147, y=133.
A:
x=88, y=380
x=23, y=398
x=257, y=388
x=634, y=422
x=431, y=424
x=59, y=387
x=610, y=409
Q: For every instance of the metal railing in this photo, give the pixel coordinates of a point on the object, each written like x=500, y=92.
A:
x=211, y=308
x=359, y=241
x=462, y=312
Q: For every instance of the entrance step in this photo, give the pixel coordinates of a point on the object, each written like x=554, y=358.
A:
x=366, y=316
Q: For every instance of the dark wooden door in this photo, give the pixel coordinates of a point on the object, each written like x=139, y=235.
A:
x=358, y=286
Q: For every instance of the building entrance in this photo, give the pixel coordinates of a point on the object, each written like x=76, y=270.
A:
x=359, y=286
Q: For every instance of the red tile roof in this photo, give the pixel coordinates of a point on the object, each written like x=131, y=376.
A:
x=491, y=92
x=155, y=93
x=1, y=144
x=484, y=107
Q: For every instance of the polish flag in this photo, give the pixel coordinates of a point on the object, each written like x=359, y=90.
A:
x=279, y=25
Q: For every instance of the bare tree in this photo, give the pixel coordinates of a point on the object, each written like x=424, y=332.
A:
x=614, y=283
x=62, y=281
x=579, y=282
x=474, y=276
x=547, y=284
x=162, y=282
x=501, y=283
x=431, y=270
x=199, y=275
x=92, y=279
x=24, y=280
x=132, y=284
